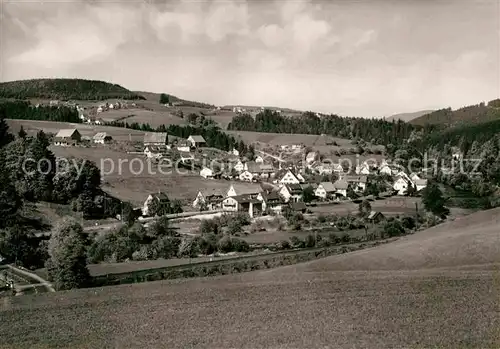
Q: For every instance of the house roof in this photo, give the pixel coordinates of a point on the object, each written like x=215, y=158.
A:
x=328, y=186
x=161, y=196
x=373, y=214
x=66, y=133
x=197, y=139
x=245, y=198
x=101, y=136
x=274, y=195
x=340, y=184
x=242, y=189
x=183, y=143
x=155, y=137
x=294, y=188
x=356, y=179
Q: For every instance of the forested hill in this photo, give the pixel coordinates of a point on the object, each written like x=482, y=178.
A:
x=469, y=115
x=65, y=89
x=376, y=131
x=150, y=96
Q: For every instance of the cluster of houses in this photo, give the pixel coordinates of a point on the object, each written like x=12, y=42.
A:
x=156, y=144
x=71, y=137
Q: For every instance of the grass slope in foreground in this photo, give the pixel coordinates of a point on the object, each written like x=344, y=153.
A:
x=437, y=288
x=65, y=89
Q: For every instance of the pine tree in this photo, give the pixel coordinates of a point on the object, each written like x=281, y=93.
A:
x=22, y=134
x=10, y=202
x=5, y=136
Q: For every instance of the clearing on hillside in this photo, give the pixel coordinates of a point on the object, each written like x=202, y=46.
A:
x=437, y=288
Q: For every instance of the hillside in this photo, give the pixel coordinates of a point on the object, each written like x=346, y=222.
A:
x=437, y=288
x=64, y=89
x=407, y=117
x=469, y=115
x=155, y=97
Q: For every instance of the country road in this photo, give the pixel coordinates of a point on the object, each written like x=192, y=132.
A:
x=41, y=281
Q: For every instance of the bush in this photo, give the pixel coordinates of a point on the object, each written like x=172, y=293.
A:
x=393, y=228
x=225, y=245
x=345, y=238
x=209, y=226
x=284, y=245
x=234, y=227
x=208, y=244
x=334, y=239
x=188, y=248
x=321, y=218
x=296, y=242
x=310, y=240
x=240, y=245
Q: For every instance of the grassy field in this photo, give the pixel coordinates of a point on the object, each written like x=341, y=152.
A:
x=437, y=288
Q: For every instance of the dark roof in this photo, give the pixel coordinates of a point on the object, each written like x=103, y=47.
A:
x=356, y=179
x=271, y=196
x=243, y=199
x=161, y=196
x=294, y=188
x=328, y=186
x=340, y=184
x=374, y=214
x=155, y=137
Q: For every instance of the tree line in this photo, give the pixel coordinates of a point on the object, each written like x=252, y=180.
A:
x=24, y=110
x=65, y=89
x=376, y=131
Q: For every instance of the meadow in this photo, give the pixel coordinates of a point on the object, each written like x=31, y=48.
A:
x=437, y=288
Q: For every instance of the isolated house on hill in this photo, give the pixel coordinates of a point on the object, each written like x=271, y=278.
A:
x=67, y=137
x=197, y=141
x=102, y=138
x=155, y=138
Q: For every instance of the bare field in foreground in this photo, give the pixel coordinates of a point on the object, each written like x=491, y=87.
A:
x=437, y=288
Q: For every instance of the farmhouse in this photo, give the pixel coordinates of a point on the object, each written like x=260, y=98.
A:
x=327, y=168
x=211, y=200
x=102, y=138
x=161, y=199
x=183, y=146
x=246, y=176
x=260, y=170
x=242, y=189
x=207, y=173
x=67, y=137
x=291, y=178
x=155, y=138
x=270, y=201
x=414, y=177
x=235, y=152
x=291, y=192
x=197, y=141
x=358, y=183
x=362, y=169
x=341, y=186
x=311, y=157
x=187, y=158
x=259, y=159
x=239, y=167
x=242, y=203
x=385, y=169
x=401, y=185
x=152, y=151
x=325, y=190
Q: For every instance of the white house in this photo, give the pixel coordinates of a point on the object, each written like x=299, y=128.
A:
x=235, y=152
x=341, y=186
x=212, y=200
x=207, y=173
x=162, y=200
x=111, y=106
x=99, y=109
x=242, y=203
x=246, y=176
x=311, y=157
x=385, y=169
x=325, y=190
x=187, y=158
x=420, y=184
x=183, y=146
x=67, y=137
x=291, y=192
x=401, y=185
x=259, y=159
x=155, y=138
x=358, y=183
x=291, y=178
x=363, y=169
x=152, y=151
x=414, y=177
x=240, y=166
x=197, y=141
x=102, y=138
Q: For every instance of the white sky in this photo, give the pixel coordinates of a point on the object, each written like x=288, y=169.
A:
x=356, y=58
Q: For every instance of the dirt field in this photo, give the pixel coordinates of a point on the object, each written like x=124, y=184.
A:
x=438, y=288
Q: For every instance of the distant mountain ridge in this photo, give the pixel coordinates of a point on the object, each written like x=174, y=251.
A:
x=65, y=89
x=465, y=116
x=407, y=117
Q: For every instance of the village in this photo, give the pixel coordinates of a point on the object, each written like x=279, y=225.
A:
x=268, y=183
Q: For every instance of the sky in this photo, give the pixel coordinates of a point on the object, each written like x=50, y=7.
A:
x=365, y=58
